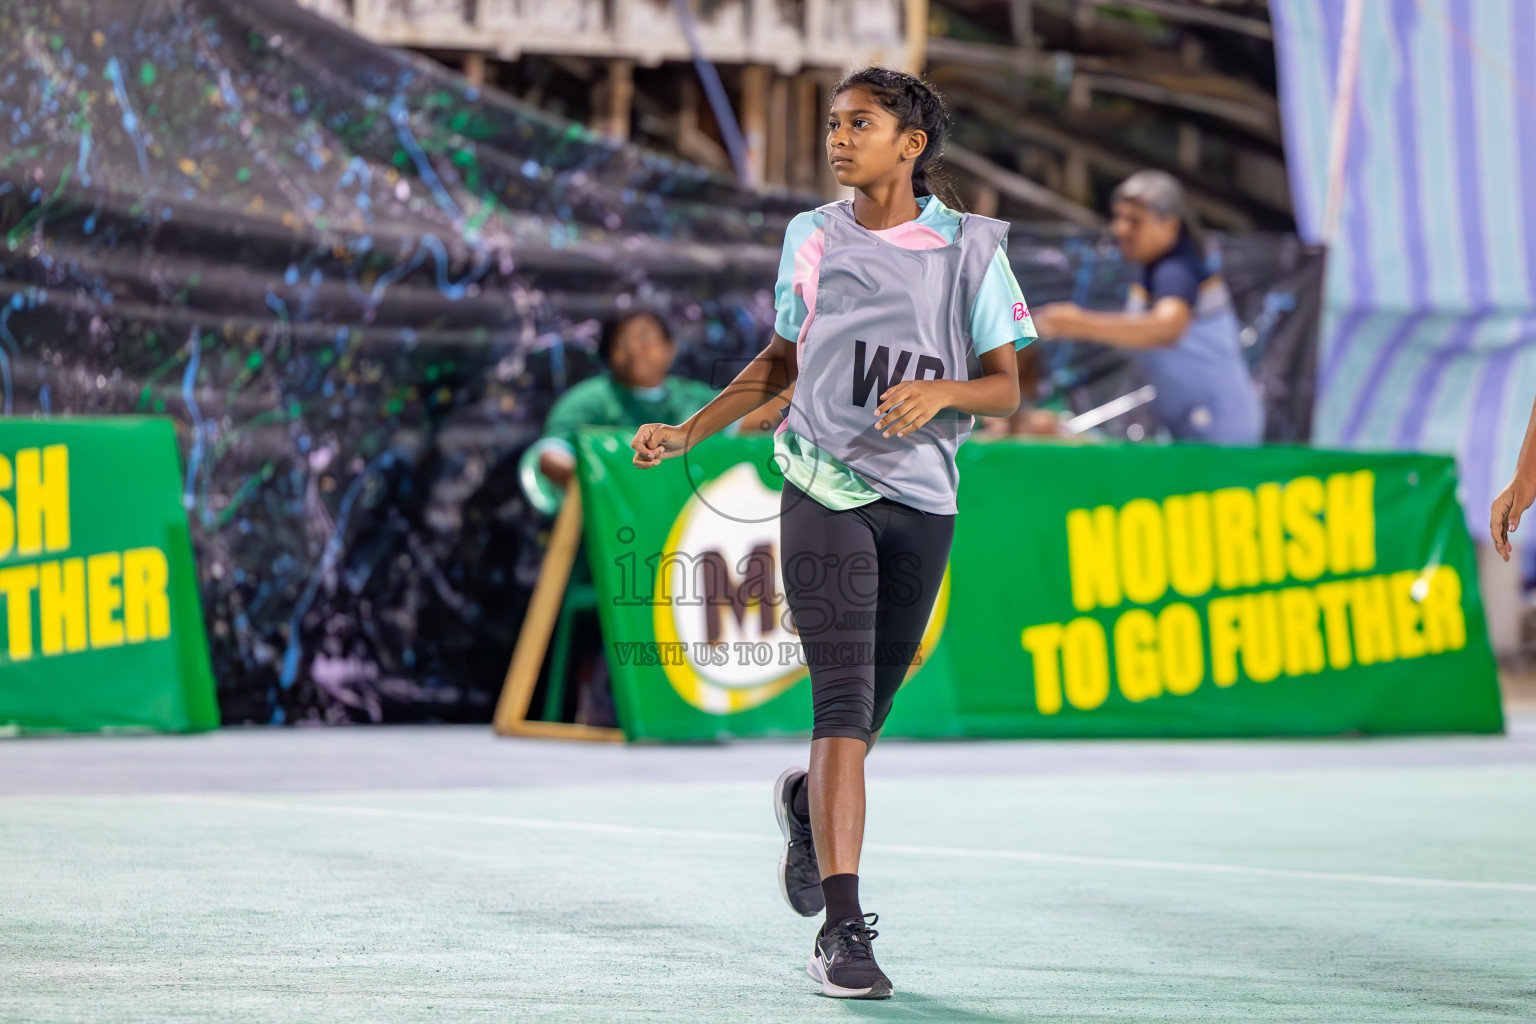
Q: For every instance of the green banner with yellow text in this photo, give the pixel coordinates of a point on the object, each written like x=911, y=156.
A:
x=1092, y=590
x=103, y=626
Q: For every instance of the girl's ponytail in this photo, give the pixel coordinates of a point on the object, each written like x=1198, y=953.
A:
x=934, y=182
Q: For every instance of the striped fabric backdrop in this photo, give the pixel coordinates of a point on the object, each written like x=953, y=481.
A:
x=1429, y=335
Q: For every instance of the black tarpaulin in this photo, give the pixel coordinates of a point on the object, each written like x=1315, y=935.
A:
x=357, y=284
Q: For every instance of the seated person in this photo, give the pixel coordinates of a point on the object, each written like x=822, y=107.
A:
x=634, y=389
x=637, y=349
x=1179, y=325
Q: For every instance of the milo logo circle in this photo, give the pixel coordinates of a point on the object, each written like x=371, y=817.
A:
x=719, y=599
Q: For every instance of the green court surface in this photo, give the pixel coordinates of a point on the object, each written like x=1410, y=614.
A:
x=1349, y=881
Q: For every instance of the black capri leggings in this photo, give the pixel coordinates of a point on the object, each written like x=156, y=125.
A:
x=860, y=585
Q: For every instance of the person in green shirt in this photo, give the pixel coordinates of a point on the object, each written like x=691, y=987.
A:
x=635, y=388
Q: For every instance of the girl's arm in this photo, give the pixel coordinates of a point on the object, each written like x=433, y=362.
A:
x=1162, y=325
x=765, y=378
x=1516, y=498
x=766, y=418
x=908, y=405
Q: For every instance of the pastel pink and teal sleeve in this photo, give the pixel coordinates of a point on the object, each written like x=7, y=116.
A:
x=791, y=306
x=1000, y=315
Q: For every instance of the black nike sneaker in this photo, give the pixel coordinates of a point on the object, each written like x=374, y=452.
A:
x=799, y=877
x=843, y=962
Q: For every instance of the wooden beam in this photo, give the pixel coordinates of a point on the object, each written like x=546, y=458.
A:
x=917, y=35
x=984, y=199
x=640, y=30
x=580, y=67
x=1019, y=187
x=1075, y=176
x=754, y=120
x=565, y=731
x=1191, y=14
x=511, y=718
x=618, y=100
x=779, y=140
x=1205, y=92
x=1021, y=21
x=1213, y=208
x=942, y=49
x=474, y=69
x=809, y=152
x=1263, y=121
x=1189, y=147
x=1218, y=211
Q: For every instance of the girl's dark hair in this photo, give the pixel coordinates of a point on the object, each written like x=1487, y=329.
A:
x=616, y=321
x=915, y=104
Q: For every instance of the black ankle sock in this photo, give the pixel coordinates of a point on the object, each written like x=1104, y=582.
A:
x=802, y=800
x=842, y=895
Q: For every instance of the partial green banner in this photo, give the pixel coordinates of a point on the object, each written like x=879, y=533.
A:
x=103, y=626
x=1092, y=590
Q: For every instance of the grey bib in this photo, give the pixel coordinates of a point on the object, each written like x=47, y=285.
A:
x=886, y=314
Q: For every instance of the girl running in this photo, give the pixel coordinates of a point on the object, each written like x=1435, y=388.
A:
x=884, y=296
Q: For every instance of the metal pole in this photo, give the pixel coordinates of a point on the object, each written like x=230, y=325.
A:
x=1109, y=410
x=735, y=145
